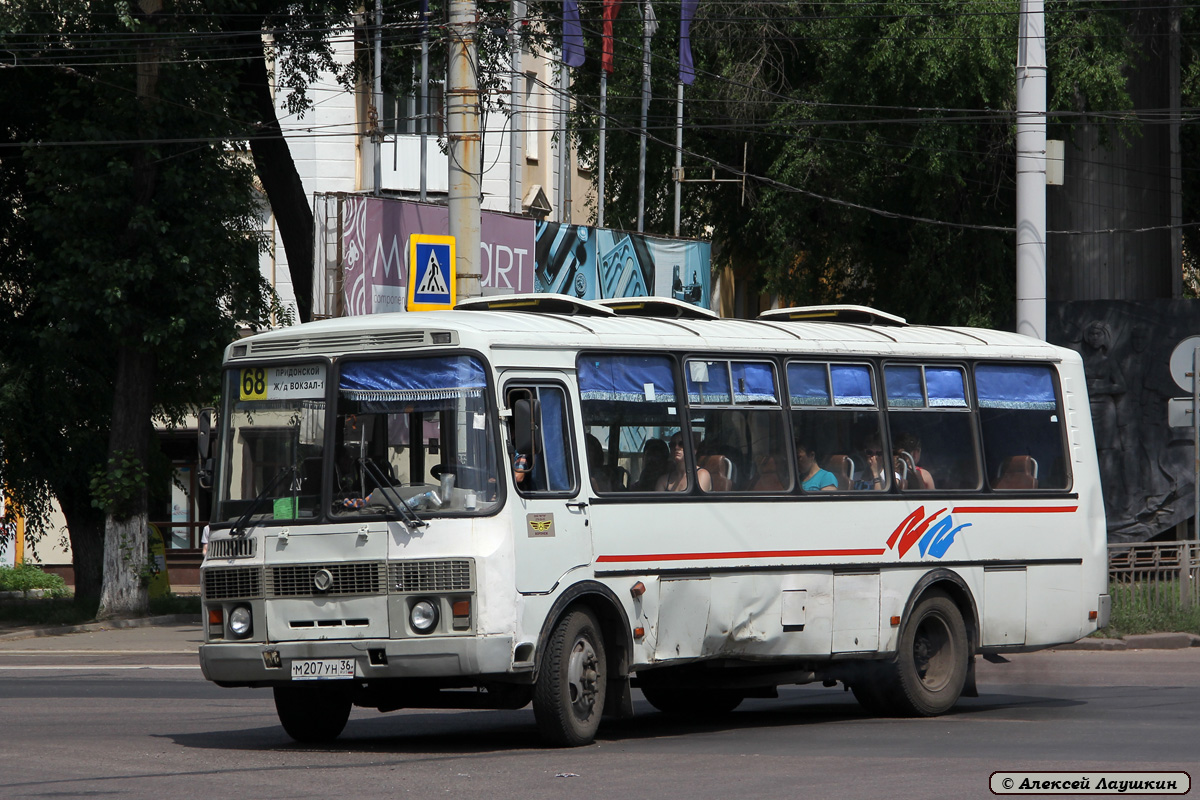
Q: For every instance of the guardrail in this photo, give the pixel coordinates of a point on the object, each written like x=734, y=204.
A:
x=1155, y=576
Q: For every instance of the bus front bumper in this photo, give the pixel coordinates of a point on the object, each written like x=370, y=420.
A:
x=254, y=663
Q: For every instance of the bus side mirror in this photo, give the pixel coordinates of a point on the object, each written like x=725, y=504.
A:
x=524, y=425
x=204, y=418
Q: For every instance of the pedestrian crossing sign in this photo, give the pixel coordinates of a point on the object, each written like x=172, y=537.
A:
x=431, y=272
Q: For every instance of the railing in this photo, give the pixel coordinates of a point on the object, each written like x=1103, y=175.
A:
x=1155, y=576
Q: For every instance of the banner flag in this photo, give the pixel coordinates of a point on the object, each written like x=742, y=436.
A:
x=611, y=9
x=687, y=71
x=572, y=35
x=651, y=20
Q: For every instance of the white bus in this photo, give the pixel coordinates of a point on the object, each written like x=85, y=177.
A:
x=547, y=501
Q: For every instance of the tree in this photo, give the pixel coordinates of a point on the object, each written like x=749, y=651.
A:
x=131, y=251
x=879, y=140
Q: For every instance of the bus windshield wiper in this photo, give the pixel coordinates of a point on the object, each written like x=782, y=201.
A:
x=239, y=527
x=408, y=516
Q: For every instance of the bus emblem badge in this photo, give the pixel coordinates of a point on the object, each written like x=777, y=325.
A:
x=540, y=524
x=323, y=580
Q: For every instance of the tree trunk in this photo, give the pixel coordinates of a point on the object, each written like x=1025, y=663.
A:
x=85, y=526
x=126, y=553
x=285, y=190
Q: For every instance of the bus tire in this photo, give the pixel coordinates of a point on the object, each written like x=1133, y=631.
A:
x=568, y=698
x=692, y=702
x=932, y=659
x=312, y=715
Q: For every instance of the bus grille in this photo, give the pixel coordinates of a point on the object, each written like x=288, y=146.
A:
x=300, y=580
x=232, y=582
x=451, y=575
x=231, y=548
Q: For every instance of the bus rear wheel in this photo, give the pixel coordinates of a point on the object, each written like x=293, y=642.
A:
x=568, y=698
x=932, y=659
x=312, y=714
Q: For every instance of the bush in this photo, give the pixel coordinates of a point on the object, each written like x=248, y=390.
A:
x=26, y=577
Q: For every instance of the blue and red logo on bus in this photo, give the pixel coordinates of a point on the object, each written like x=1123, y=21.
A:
x=932, y=534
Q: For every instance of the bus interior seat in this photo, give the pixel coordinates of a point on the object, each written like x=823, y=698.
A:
x=768, y=476
x=720, y=470
x=1017, y=472
x=842, y=468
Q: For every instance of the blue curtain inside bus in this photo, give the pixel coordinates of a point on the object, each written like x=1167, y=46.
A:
x=946, y=387
x=708, y=382
x=626, y=378
x=554, y=439
x=904, y=386
x=808, y=384
x=753, y=382
x=427, y=382
x=1022, y=387
x=851, y=385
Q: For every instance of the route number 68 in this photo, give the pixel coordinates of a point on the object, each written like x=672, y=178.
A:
x=253, y=383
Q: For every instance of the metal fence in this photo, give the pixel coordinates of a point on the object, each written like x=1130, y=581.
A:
x=1155, y=576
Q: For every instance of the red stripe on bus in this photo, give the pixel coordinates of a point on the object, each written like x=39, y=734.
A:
x=746, y=554
x=1014, y=509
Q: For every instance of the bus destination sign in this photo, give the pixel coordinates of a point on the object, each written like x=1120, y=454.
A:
x=290, y=382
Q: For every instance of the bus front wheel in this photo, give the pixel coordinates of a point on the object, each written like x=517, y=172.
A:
x=312, y=715
x=932, y=659
x=568, y=698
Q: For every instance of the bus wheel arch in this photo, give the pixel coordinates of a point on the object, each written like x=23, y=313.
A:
x=598, y=601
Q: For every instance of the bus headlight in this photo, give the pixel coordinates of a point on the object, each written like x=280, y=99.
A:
x=240, y=622
x=423, y=616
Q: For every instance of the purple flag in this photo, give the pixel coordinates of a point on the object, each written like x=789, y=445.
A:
x=572, y=35
x=424, y=18
x=687, y=72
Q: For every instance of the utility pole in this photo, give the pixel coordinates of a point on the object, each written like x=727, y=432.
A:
x=1031, y=170
x=465, y=162
x=377, y=102
x=516, y=99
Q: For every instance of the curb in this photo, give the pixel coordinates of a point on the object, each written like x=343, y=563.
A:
x=111, y=624
x=1141, y=641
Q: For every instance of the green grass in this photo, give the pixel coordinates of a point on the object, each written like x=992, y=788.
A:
x=1134, y=610
x=59, y=607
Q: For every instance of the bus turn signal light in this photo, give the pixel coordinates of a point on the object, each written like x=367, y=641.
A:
x=895, y=621
x=215, y=617
x=637, y=590
x=461, y=608
x=1093, y=615
x=639, y=633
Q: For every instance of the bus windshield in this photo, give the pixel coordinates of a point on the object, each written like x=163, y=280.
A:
x=409, y=431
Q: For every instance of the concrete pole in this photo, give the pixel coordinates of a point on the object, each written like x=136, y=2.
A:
x=516, y=99
x=1031, y=171
x=424, y=106
x=377, y=100
x=678, y=151
x=603, y=134
x=641, y=193
x=463, y=139
x=564, y=146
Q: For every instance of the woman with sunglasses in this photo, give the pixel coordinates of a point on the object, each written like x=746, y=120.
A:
x=874, y=478
x=676, y=478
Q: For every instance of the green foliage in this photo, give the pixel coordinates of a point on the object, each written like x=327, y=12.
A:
x=879, y=140
x=27, y=577
x=1150, y=608
x=115, y=488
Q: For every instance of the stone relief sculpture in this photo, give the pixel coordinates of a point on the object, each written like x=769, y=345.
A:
x=1145, y=465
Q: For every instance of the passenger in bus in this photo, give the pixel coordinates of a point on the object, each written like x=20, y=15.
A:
x=676, y=478
x=812, y=477
x=656, y=460
x=601, y=482
x=908, y=450
x=873, y=478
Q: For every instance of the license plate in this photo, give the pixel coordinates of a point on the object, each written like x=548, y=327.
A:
x=323, y=669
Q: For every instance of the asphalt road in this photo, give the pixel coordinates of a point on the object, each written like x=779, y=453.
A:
x=126, y=714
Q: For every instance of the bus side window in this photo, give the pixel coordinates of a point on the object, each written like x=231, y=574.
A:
x=542, y=456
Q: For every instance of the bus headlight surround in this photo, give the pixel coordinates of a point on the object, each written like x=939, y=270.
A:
x=241, y=622
x=423, y=616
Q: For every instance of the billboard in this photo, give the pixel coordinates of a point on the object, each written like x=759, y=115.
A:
x=517, y=255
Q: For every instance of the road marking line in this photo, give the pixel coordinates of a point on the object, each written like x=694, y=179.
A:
x=95, y=667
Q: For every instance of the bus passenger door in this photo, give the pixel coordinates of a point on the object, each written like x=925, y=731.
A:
x=550, y=524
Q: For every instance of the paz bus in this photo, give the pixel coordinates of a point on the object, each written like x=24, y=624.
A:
x=539, y=500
